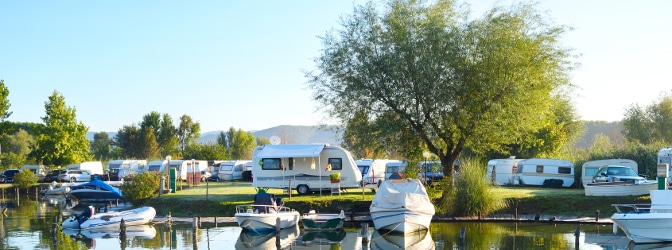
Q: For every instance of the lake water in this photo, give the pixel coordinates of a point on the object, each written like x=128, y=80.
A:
x=27, y=224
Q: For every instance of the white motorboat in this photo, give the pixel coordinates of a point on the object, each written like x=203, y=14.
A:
x=620, y=188
x=263, y=215
x=646, y=223
x=57, y=188
x=91, y=220
x=401, y=206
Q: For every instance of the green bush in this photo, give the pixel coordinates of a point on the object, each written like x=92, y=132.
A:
x=24, y=179
x=139, y=188
x=471, y=192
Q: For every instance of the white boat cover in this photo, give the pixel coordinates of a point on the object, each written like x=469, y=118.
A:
x=285, y=150
x=407, y=193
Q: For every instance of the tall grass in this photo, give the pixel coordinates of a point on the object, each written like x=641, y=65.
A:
x=471, y=192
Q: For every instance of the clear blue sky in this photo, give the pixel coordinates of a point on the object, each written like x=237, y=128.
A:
x=239, y=63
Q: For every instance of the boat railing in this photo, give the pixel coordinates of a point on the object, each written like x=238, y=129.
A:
x=262, y=209
x=632, y=208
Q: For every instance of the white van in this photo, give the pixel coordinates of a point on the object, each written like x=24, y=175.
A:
x=94, y=167
x=373, y=171
x=231, y=170
x=306, y=166
x=40, y=171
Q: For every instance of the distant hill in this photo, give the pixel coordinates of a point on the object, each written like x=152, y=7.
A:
x=316, y=134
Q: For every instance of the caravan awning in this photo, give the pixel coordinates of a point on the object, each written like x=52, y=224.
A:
x=285, y=151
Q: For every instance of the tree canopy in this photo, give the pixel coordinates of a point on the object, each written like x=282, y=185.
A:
x=649, y=124
x=448, y=81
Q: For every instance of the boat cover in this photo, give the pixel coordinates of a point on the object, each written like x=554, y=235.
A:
x=284, y=151
x=98, y=184
x=407, y=193
x=268, y=203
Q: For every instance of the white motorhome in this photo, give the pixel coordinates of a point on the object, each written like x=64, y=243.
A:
x=231, y=170
x=665, y=157
x=184, y=168
x=373, y=171
x=127, y=166
x=395, y=169
x=545, y=172
x=305, y=166
x=94, y=167
x=40, y=171
x=590, y=168
x=500, y=171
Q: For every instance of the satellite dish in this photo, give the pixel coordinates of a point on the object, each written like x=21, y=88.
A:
x=275, y=140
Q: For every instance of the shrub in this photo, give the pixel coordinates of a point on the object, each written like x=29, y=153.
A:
x=471, y=192
x=139, y=188
x=24, y=179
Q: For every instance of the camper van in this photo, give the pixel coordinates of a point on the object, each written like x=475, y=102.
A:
x=395, y=170
x=93, y=167
x=665, y=157
x=373, y=171
x=590, y=168
x=305, y=166
x=184, y=168
x=40, y=171
x=231, y=170
x=126, y=167
x=545, y=172
x=500, y=171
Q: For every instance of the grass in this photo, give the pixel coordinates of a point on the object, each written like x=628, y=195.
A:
x=224, y=196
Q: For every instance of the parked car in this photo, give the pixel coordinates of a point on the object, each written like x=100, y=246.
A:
x=76, y=176
x=2, y=178
x=9, y=175
x=53, y=175
x=611, y=173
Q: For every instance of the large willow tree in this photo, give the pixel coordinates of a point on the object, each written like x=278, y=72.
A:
x=450, y=81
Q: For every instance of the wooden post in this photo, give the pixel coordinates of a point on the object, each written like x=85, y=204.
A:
x=289, y=189
x=277, y=225
x=170, y=219
x=597, y=215
x=516, y=213
x=365, y=233
x=194, y=226
x=479, y=215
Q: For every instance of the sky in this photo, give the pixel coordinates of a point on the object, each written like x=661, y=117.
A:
x=242, y=64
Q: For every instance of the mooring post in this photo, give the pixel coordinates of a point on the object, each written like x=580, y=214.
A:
x=516, y=213
x=215, y=221
x=194, y=226
x=479, y=215
x=199, y=221
x=365, y=233
x=597, y=215
x=170, y=219
x=277, y=225
x=463, y=235
x=289, y=189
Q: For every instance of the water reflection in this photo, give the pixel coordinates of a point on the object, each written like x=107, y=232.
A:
x=28, y=224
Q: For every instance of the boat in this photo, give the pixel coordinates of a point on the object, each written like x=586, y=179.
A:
x=620, y=188
x=56, y=189
x=318, y=221
x=267, y=239
x=95, y=190
x=401, y=206
x=263, y=213
x=91, y=220
x=646, y=223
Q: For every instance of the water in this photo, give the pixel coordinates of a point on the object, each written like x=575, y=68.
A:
x=27, y=224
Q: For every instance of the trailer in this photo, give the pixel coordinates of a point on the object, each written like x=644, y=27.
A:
x=590, y=168
x=303, y=167
x=395, y=169
x=665, y=157
x=503, y=171
x=373, y=171
x=546, y=172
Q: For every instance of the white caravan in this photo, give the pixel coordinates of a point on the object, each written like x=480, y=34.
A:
x=94, y=167
x=395, y=170
x=155, y=166
x=184, y=168
x=546, y=172
x=373, y=171
x=127, y=166
x=231, y=170
x=305, y=166
x=665, y=156
x=40, y=171
x=501, y=171
x=590, y=168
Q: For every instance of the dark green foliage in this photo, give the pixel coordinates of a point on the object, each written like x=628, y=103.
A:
x=471, y=194
x=24, y=179
x=139, y=188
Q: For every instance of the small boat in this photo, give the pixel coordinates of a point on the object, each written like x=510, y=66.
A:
x=620, y=188
x=318, y=221
x=646, y=223
x=95, y=190
x=91, y=220
x=262, y=215
x=56, y=189
x=401, y=206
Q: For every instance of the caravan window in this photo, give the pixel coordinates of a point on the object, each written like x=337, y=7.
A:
x=336, y=163
x=154, y=167
x=540, y=168
x=270, y=163
x=564, y=170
